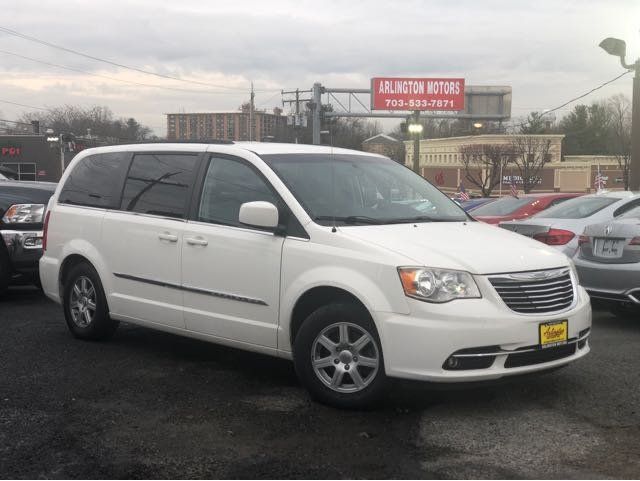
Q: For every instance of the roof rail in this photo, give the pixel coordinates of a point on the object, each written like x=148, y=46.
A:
x=187, y=141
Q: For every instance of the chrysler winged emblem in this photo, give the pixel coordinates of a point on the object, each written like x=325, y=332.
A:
x=608, y=229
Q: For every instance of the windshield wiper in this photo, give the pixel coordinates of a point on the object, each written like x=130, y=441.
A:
x=350, y=219
x=418, y=218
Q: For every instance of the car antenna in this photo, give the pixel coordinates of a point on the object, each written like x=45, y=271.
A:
x=333, y=178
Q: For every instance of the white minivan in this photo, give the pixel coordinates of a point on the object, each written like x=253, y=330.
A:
x=346, y=262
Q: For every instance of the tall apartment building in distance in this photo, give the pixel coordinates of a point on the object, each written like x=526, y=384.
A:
x=228, y=125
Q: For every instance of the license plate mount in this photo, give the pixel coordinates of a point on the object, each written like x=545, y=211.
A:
x=553, y=333
x=609, y=248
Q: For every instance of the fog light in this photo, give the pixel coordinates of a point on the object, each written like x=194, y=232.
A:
x=452, y=362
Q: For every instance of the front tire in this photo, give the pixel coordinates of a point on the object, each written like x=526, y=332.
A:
x=85, y=305
x=338, y=356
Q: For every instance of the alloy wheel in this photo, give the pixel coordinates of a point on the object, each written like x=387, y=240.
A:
x=345, y=357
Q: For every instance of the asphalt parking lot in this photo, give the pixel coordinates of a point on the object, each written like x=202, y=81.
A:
x=152, y=405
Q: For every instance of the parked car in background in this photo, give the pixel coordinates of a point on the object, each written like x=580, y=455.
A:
x=7, y=174
x=608, y=261
x=561, y=225
x=22, y=206
x=346, y=262
x=467, y=205
x=513, y=208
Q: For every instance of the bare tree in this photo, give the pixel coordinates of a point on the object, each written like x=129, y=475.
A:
x=483, y=164
x=99, y=119
x=530, y=154
x=619, y=109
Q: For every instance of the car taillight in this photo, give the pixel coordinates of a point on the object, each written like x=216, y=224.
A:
x=635, y=241
x=583, y=239
x=555, y=237
x=45, y=229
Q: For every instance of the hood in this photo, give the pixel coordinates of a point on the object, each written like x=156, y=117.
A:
x=470, y=246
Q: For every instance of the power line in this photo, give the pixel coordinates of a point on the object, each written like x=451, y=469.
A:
x=546, y=112
x=25, y=105
x=73, y=69
x=116, y=64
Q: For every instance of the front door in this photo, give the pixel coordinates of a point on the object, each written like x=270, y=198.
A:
x=231, y=274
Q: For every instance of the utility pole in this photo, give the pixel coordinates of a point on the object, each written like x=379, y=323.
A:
x=618, y=48
x=316, y=106
x=297, y=122
x=634, y=168
x=253, y=95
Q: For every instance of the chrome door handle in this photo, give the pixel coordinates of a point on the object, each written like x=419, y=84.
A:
x=196, y=241
x=168, y=237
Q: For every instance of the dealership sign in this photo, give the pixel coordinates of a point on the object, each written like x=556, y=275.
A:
x=417, y=93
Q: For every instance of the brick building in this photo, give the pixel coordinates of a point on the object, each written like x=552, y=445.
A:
x=385, y=145
x=441, y=163
x=226, y=125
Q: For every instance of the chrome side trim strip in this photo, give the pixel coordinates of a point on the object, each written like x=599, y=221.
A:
x=503, y=352
x=224, y=295
x=197, y=290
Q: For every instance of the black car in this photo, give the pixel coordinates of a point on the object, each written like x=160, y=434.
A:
x=22, y=207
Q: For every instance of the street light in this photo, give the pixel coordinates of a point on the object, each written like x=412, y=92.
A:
x=618, y=48
x=415, y=128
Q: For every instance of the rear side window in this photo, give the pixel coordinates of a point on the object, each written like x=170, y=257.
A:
x=227, y=185
x=96, y=181
x=577, y=208
x=159, y=184
x=503, y=206
x=626, y=208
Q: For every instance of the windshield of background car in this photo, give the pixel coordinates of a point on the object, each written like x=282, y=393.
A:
x=360, y=189
x=632, y=214
x=577, y=208
x=504, y=206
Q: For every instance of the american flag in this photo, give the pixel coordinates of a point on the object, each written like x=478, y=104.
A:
x=462, y=193
x=514, y=189
x=600, y=181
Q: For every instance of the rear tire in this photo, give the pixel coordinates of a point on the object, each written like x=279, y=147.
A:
x=85, y=305
x=338, y=357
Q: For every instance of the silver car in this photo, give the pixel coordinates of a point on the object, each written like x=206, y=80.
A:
x=560, y=226
x=608, y=261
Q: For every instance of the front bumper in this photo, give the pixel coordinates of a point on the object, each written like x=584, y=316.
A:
x=611, y=282
x=24, y=248
x=417, y=346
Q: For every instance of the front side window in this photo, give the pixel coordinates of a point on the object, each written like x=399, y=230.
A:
x=227, y=185
x=159, y=184
x=361, y=189
x=577, y=208
x=96, y=181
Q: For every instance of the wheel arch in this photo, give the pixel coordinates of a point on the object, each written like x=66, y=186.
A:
x=316, y=297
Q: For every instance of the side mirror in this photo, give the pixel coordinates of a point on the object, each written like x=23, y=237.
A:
x=259, y=214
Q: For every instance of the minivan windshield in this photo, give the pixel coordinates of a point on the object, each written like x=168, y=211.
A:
x=577, y=208
x=361, y=189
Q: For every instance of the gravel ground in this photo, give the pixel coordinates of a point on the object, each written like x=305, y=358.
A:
x=152, y=405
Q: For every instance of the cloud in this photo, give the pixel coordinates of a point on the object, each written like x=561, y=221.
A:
x=547, y=52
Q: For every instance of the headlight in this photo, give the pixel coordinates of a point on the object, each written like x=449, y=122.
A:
x=572, y=265
x=24, y=213
x=437, y=285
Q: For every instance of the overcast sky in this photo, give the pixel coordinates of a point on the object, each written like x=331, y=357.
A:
x=547, y=51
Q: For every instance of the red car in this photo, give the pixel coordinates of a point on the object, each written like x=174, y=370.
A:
x=514, y=208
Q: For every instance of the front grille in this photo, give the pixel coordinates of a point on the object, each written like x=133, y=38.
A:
x=535, y=292
x=539, y=356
